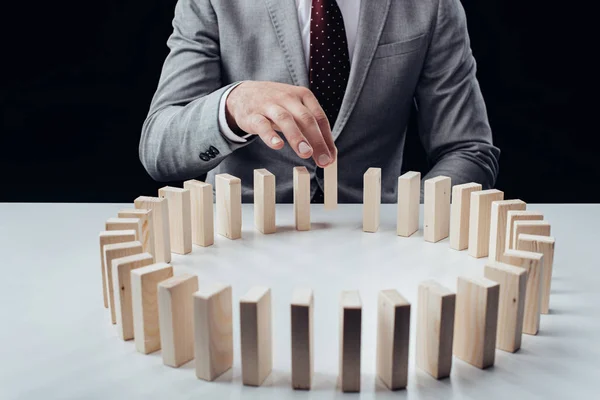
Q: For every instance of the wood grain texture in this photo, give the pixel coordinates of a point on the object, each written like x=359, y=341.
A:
x=371, y=199
x=301, y=198
x=111, y=237
x=350, y=341
x=476, y=321
x=160, y=225
x=437, y=208
x=498, y=226
x=256, y=336
x=511, y=218
x=180, y=218
x=460, y=210
x=176, y=318
x=511, y=307
x=409, y=198
x=121, y=273
x=435, y=329
x=540, y=228
x=144, y=300
x=393, y=332
x=302, y=338
x=147, y=236
x=545, y=246
x=122, y=224
x=480, y=220
x=330, y=181
x=264, y=201
x=229, y=206
x=112, y=252
x=213, y=331
x=201, y=196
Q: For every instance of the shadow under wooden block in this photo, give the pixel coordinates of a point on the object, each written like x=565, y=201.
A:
x=180, y=218
x=111, y=237
x=264, y=201
x=409, y=198
x=460, y=210
x=435, y=328
x=545, y=246
x=393, y=332
x=144, y=301
x=301, y=181
x=302, y=338
x=350, y=341
x=160, y=225
x=511, y=217
x=480, y=219
x=498, y=226
x=228, y=190
x=256, y=335
x=371, y=199
x=112, y=252
x=201, y=197
x=147, y=236
x=436, y=209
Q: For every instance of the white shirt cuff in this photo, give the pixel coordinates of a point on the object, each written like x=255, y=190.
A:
x=223, y=125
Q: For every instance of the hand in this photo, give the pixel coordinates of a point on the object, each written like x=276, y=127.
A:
x=261, y=108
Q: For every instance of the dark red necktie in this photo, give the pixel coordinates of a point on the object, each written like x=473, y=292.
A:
x=329, y=65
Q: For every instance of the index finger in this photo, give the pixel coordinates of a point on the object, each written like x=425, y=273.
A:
x=311, y=102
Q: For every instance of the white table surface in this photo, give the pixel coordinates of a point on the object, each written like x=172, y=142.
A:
x=56, y=340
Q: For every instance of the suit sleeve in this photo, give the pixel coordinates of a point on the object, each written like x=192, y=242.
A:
x=180, y=137
x=452, y=118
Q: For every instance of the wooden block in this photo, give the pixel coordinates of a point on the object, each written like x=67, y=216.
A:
x=144, y=301
x=330, y=180
x=545, y=246
x=112, y=252
x=180, y=218
x=498, y=226
x=256, y=335
x=540, y=228
x=476, y=321
x=201, y=196
x=123, y=224
x=350, y=341
x=121, y=272
x=534, y=265
x=435, y=329
x=213, y=331
x=393, y=331
x=176, y=318
x=160, y=225
x=302, y=198
x=480, y=219
x=371, y=199
x=229, y=206
x=111, y=237
x=147, y=236
x=511, y=307
x=409, y=198
x=460, y=210
x=302, y=338
x=437, y=209
x=511, y=218
x=264, y=201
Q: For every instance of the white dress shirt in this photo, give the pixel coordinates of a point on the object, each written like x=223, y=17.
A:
x=350, y=11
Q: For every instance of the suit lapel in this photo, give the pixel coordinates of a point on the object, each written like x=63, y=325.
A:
x=284, y=17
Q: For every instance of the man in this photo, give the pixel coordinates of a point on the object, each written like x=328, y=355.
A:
x=281, y=83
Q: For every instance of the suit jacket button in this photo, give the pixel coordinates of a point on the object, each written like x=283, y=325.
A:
x=214, y=150
x=204, y=157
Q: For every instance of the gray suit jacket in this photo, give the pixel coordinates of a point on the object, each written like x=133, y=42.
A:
x=406, y=50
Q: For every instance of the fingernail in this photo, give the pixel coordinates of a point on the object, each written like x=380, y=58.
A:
x=304, y=148
x=275, y=140
x=324, y=159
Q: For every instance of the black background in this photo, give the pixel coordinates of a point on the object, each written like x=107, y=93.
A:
x=81, y=75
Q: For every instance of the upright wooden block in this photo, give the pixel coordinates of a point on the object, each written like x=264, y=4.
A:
x=147, y=235
x=256, y=335
x=201, y=196
x=371, y=199
x=112, y=237
x=480, y=219
x=144, y=301
x=330, y=181
x=229, y=206
x=511, y=218
x=213, y=331
x=409, y=198
x=498, y=226
x=476, y=321
x=180, y=218
x=264, y=201
x=511, y=308
x=302, y=338
x=540, y=228
x=534, y=265
x=393, y=332
x=176, y=318
x=460, y=210
x=350, y=341
x=302, y=198
x=545, y=246
x=121, y=273
x=112, y=252
x=437, y=209
x=435, y=329
x=160, y=225
x=123, y=224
